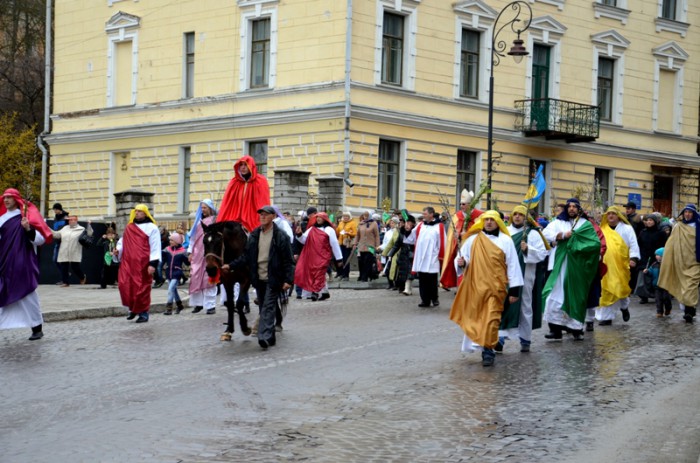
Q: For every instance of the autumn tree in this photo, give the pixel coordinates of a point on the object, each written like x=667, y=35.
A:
x=19, y=157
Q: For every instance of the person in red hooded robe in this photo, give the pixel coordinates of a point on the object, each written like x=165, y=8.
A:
x=246, y=193
x=22, y=229
x=320, y=245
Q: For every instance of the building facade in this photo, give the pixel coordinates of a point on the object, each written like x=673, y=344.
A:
x=391, y=95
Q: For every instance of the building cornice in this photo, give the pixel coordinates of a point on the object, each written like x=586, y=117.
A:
x=501, y=134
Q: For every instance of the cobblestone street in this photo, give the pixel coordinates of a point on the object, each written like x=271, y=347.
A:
x=365, y=376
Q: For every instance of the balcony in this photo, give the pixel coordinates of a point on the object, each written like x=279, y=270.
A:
x=557, y=120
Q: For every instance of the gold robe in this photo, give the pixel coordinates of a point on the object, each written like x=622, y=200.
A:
x=680, y=271
x=478, y=305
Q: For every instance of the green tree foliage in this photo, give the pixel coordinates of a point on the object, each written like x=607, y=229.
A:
x=20, y=160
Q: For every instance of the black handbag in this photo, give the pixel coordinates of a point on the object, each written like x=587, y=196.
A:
x=84, y=239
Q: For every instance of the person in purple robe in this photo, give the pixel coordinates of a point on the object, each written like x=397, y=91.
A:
x=22, y=229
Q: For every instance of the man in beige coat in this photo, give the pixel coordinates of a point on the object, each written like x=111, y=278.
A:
x=70, y=254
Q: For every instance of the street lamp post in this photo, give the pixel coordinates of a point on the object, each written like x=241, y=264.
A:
x=522, y=16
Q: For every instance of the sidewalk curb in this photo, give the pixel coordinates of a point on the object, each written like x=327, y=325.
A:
x=95, y=312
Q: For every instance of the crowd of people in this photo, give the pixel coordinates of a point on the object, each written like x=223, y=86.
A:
x=513, y=272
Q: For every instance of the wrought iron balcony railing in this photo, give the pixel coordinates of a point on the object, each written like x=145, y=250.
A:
x=558, y=120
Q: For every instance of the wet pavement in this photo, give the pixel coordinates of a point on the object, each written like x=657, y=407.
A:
x=365, y=376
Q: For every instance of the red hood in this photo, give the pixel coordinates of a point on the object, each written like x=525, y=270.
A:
x=250, y=162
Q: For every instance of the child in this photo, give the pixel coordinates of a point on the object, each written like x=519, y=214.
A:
x=663, y=298
x=110, y=268
x=175, y=257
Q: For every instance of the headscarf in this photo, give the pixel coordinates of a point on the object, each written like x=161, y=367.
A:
x=30, y=211
x=565, y=213
x=143, y=208
x=618, y=212
x=278, y=212
x=479, y=224
x=198, y=215
x=325, y=218
x=696, y=220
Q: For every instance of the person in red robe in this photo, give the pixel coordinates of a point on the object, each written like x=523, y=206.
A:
x=448, y=274
x=139, y=252
x=320, y=245
x=246, y=193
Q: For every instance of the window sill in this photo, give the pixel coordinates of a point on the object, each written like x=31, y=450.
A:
x=663, y=24
x=667, y=133
x=397, y=88
x=258, y=90
x=612, y=12
x=611, y=125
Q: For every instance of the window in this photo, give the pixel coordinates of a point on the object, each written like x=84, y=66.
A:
x=388, y=175
x=188, y=81
x=260, y=54
x=392, y=48
x=669, y=9
x=614, y=9
x=184, y=174
x=122, y=59
x=609, y=2
x=466, y=171
x=469, y=81
x=667, y=100
x=602, y=188
x=258, y=151
x=534, y=165
x=540, y=72
x=606, y=69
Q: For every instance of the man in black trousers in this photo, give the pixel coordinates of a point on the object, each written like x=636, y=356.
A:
x=269, y=256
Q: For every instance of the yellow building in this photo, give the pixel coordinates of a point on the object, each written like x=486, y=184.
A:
x=391, y=94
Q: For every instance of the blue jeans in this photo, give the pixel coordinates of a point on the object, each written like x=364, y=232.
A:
x=172, y=291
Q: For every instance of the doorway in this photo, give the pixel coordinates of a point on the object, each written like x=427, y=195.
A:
x=663, y=195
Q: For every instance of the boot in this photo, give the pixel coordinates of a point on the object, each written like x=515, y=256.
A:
x=180, y=307
x=168, y=309
x=407, y=290
x=554, y=332
x=36, y=333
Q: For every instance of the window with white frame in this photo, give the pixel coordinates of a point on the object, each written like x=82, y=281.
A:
x=474, y=19
x=614, y=9
x=122, y=59
x=544, y=64
x=667, y=110
x=188, y=65
x=258, y=151
x=389, y=171
x=395, y=49
x=606, y=76
x=467, y=162
x=601, y=178
x=610, y=46
x=184, y=176
x=258, y=44
x=672, y=16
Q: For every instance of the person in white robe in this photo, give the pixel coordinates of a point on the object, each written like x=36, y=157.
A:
x=429, y=251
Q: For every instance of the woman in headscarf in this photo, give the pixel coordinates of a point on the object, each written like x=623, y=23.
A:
x=650, y=239
x=202, y=293
x=367, y=241
x=320, y=245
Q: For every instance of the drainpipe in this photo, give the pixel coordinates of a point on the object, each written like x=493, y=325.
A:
x=47, y=110
x=348, y=64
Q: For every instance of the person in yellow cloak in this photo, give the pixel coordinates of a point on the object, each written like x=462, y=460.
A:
x=490, y=260
x=680, y=268
x=622, y=255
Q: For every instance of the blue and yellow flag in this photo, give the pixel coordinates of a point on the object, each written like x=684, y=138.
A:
x=537, y=187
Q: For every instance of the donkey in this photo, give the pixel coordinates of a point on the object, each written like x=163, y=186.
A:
x=224, y=242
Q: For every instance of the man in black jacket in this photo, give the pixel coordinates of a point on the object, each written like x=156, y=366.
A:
x=269, y=255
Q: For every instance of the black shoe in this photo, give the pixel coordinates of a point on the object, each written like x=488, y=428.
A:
x=168, y=312
x=688, y=318
x=142, y=320
x=487, y=361
x=211, y=311
x=553, y=335
x=324, y=296
x=424, y=304
x=524, y=347
x=436, y=303
x=498, y=347
x=265, y=344
x=158, y=284
x=577, y=334
x=131, y=316
x=589, y=326
x=625, y=315
x=299, y=296
x=197, y=309
x=643, y=300
x=605, y=323
x=36, y=336
x=314, y=297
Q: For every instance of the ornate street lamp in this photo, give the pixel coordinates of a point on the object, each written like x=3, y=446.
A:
x=522, y=16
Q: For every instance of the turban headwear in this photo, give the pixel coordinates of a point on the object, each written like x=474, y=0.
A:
x=143, y=208
x=616, y=210
x=479, y=224
x=29, y=211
